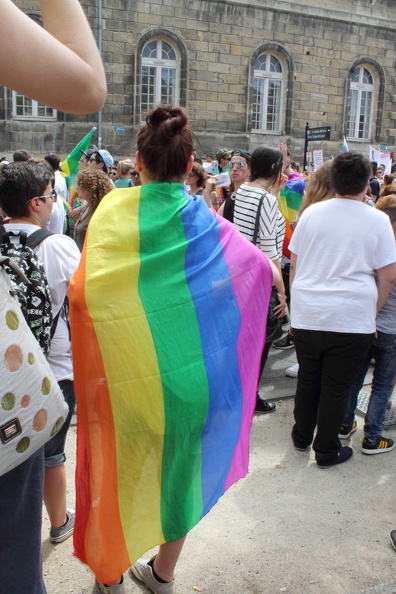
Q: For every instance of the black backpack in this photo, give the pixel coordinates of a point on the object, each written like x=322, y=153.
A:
x=35, y=298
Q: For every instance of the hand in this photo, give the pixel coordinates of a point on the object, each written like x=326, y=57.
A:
x=280, y=310
x=210, y=184
x=286, y=157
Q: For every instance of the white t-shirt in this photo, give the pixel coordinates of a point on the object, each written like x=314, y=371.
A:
x=60, y=257
x=57, y=218
x=339, y=244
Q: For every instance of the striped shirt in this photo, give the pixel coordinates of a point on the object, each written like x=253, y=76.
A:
x=272, y=224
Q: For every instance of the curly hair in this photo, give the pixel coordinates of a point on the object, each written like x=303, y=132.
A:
x=97, y=185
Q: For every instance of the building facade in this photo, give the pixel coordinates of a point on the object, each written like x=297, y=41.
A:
x=249, y=73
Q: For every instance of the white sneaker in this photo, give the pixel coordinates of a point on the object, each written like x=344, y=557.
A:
x=144, y=572
x=292, y=371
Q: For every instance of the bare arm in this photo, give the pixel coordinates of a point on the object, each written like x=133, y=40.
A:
x=63, y=51
x=293, y=264
x=385, y=278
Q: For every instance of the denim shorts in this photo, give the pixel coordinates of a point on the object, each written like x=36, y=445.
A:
x=54, y=449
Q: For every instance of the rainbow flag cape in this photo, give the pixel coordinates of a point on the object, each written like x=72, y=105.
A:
x=69, y=167
x=168, y=314
x=289, y=202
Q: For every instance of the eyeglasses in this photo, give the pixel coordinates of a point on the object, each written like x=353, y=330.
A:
x=237, y=165
x=134, y=172
x=53, y=197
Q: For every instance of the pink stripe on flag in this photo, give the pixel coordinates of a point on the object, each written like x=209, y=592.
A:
x=251, y=337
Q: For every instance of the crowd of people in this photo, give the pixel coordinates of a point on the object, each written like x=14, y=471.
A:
x=172, y=271
x=331, y=245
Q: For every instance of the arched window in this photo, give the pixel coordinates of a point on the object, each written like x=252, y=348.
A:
x=160, y=75
x=360, y=104
x=268, y=91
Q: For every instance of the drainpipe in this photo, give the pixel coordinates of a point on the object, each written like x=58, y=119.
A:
x=100, y=46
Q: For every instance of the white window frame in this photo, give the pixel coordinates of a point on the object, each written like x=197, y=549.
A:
x=265, y=78
x=362, y=92
x=34, y=110
x=157, y=65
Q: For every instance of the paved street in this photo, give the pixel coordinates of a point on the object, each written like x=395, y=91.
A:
x=288, y=527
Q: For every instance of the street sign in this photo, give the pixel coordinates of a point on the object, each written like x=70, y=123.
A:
x=319, y=133
x=119, y=129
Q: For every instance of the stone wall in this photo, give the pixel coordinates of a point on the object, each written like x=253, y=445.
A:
x=217, y=43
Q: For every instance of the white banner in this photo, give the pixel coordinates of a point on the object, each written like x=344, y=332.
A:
x=381, y=158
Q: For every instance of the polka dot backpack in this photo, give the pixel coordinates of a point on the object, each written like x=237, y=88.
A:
x=32, y=407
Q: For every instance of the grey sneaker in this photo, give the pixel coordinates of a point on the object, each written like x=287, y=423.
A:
x=115, y=589
x=62, y=533
x=144, y=572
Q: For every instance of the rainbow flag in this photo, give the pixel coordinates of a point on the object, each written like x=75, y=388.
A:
x=69, y=167
x=168, y=314
x=289, y=202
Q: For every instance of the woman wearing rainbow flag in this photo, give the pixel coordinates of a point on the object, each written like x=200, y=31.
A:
x=168, y=315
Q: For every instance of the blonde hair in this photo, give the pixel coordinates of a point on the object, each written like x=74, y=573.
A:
x=124, y=166
x=319, y=186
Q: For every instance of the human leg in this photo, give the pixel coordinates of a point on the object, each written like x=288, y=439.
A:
x=55, y=473
x=383, y=376
x=21, y=501
x=158, y=572
x=264, y=406
x=307, y=397
x=355, y=389
x=343, y=354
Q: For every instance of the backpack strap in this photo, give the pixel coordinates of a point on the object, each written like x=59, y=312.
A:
x=37, y=237
x=5, y=260
x=257, y=223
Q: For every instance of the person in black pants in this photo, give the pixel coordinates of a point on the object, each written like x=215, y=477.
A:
x=343, y=265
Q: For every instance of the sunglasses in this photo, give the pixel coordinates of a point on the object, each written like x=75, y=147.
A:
x=237, y=165
x=96, y=159
x=191, y=174
x=53, y=197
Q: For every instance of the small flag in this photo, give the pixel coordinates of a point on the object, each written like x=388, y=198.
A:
x=69, y=167
x=345, y=145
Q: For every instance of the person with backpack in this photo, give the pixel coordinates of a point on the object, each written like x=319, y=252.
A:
x=26, y=196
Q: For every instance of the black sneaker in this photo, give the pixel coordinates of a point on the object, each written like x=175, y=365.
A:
x=381, y=446
x=287, y=342
x=263, y=406
x=392, y=536
x=342, y=456
x=347, y=430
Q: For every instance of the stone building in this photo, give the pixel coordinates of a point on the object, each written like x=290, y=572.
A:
x=249, y=72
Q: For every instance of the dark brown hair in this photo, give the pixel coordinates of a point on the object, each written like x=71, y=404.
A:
x=165, y=143
x=201, y=174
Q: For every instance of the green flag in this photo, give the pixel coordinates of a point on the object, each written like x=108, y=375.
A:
x=70, y=164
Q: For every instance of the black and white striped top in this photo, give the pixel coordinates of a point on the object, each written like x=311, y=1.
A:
x=272, y=224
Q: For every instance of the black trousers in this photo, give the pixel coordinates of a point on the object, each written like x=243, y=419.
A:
x=328, y=365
